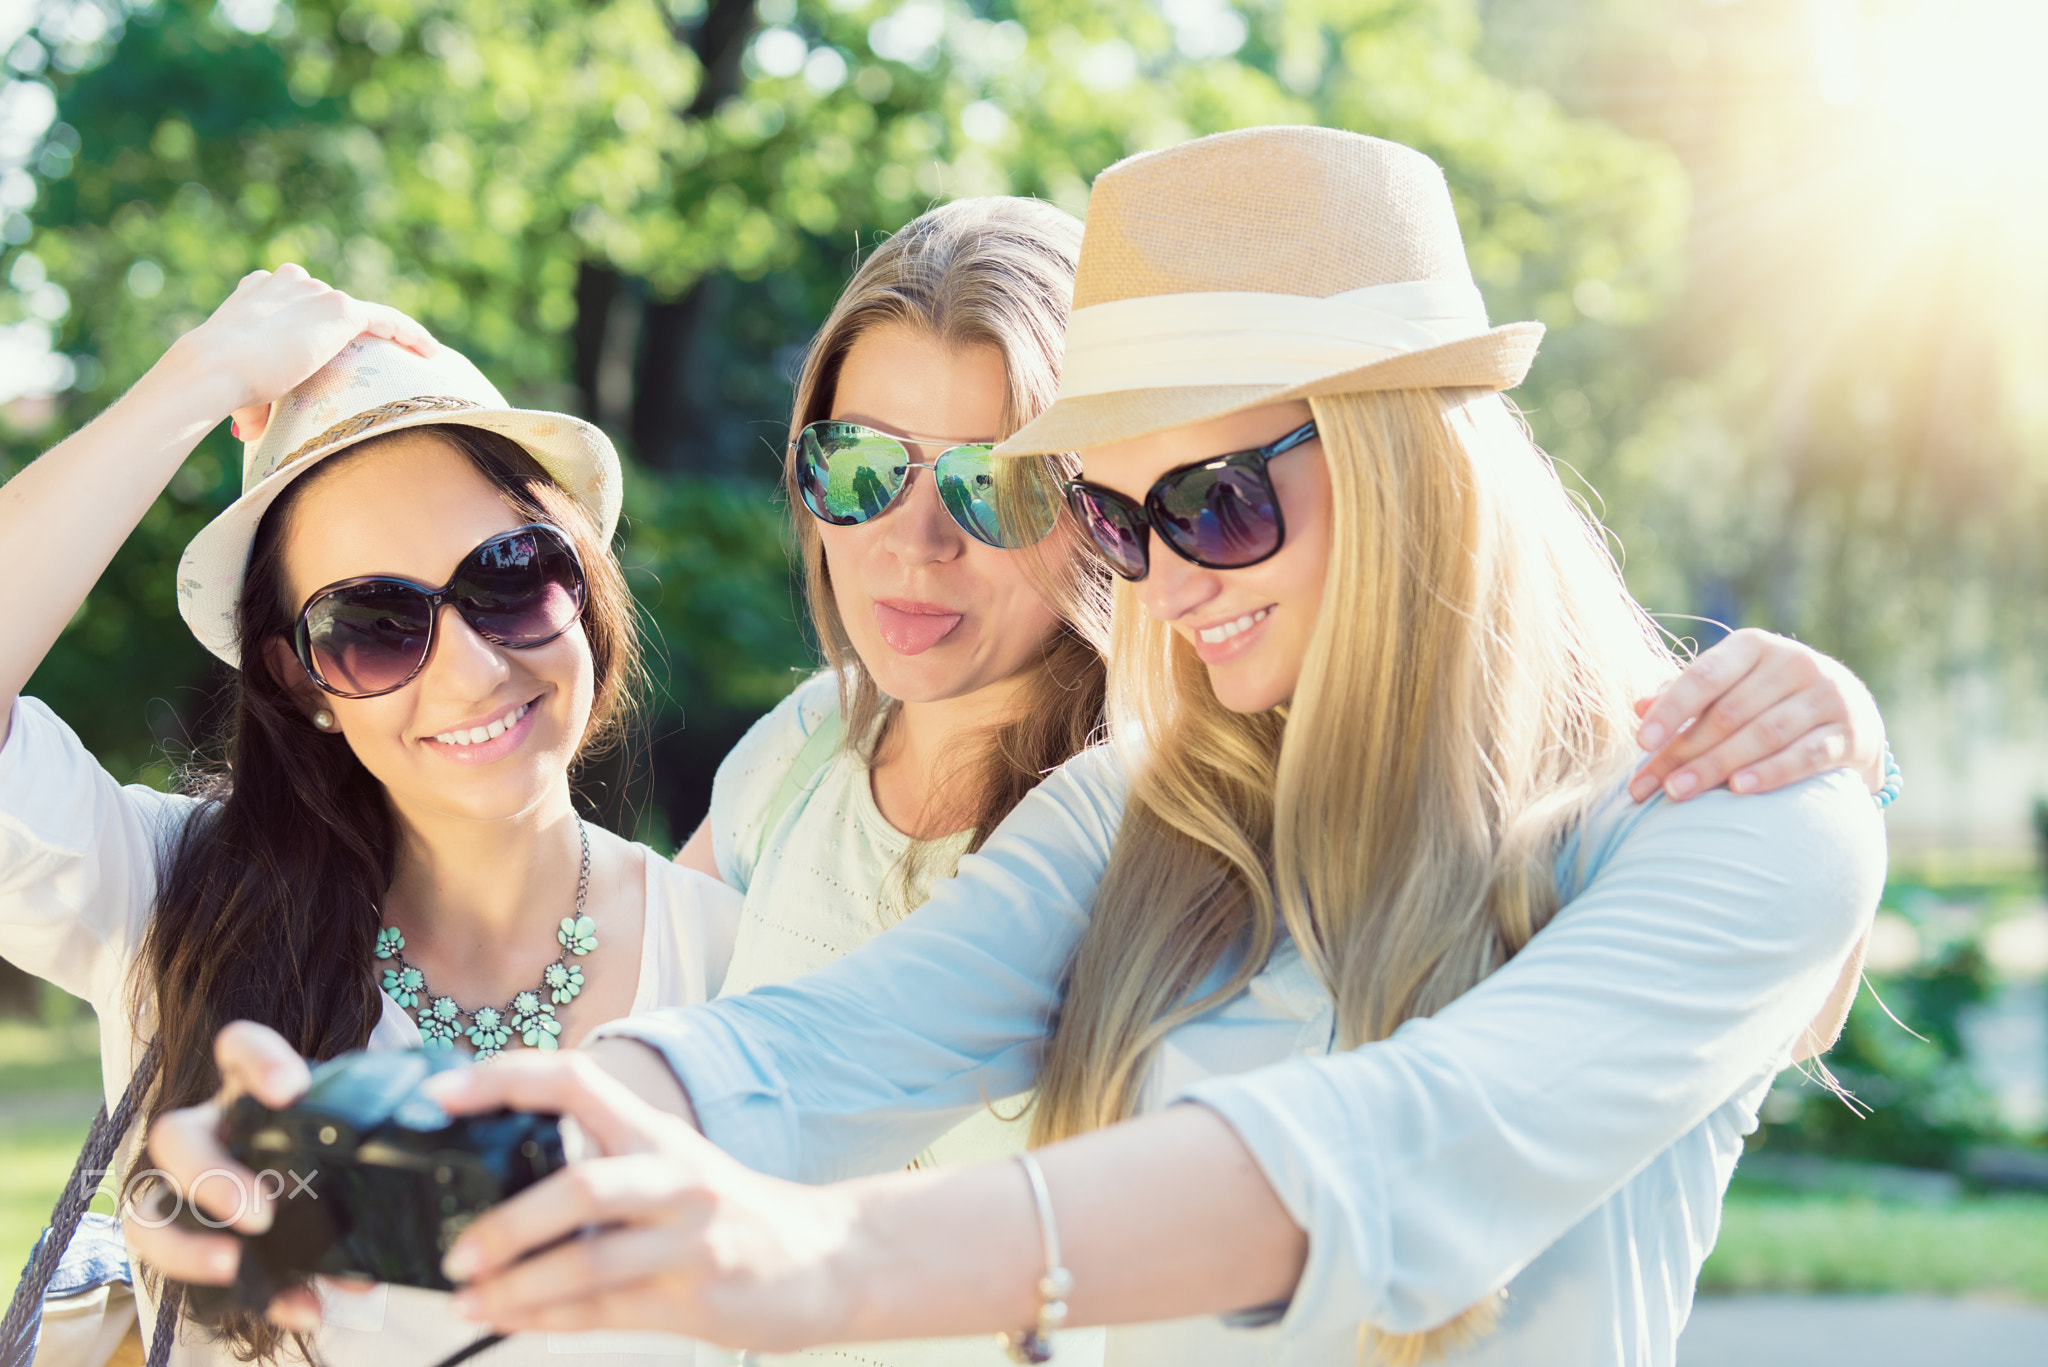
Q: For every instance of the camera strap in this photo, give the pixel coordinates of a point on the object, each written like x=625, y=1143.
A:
x=21, y=1329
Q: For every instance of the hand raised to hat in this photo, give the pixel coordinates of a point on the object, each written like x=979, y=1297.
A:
x=63, y=517
x=275, y=330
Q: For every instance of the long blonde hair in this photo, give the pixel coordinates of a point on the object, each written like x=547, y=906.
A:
x=995, y=272
x=1465, y=697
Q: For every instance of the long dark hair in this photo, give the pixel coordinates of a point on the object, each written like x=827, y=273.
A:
x=268, y=905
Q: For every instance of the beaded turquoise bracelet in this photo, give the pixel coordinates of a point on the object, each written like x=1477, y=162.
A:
x=1894, y=781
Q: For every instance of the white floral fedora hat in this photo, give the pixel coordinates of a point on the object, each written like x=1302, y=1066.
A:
x=371, y=388
x=1265, y=265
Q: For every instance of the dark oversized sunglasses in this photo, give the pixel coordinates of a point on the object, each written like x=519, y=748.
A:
x=850, y=474
x=371, y=635
x=1221, y=513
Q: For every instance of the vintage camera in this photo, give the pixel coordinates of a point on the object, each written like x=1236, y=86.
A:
x=370, y=1177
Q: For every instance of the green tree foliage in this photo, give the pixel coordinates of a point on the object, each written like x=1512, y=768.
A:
x=642, y=212
x=1917, y=1100
x=1842, y=434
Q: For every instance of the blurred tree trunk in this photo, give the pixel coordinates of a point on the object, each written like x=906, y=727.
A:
x=648, y=345
x=20, y=993
x=720, y=39
x=597, y=286
x=666, y=427
x=632, y=362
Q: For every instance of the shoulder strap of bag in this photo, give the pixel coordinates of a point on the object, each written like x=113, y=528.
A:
x=21, y=1328
x=802, y=775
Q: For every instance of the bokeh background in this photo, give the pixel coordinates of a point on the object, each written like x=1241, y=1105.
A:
x=1789, y=252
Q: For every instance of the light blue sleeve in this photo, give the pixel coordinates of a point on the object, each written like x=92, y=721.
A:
x=857, y=1067
x=1431, y=1167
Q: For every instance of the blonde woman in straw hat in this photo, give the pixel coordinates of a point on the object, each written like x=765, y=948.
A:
x=417, y=592
x=1243, y=952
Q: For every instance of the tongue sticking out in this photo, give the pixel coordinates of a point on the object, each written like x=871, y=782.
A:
x=913, y=633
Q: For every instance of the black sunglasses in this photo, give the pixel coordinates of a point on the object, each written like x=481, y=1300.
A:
x=1220, y=513
x=850, y=474
x=371, y=635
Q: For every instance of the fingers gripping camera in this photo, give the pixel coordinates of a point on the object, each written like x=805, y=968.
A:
x=382, y=1179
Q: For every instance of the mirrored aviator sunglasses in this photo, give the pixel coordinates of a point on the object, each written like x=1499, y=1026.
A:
x=363, y=637
x=849, y=474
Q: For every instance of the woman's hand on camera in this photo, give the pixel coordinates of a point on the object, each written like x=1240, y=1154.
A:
x=662, y=1231
x=1757, y=712
x=194, y=1167
x=277, y=328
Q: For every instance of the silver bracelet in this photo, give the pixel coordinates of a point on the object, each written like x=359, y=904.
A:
x=1035, y=1343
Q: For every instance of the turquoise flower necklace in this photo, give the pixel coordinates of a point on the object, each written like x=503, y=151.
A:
x=529, y=1017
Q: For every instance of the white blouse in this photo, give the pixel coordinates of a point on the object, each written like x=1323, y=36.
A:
x=78, y=877
x=831, y=874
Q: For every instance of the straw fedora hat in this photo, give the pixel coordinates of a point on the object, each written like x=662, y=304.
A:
x=1264, y=265
x=371, y=388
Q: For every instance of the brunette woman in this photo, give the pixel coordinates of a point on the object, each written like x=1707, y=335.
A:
x=429, y=630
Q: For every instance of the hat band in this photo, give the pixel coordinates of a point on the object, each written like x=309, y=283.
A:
x=353, y=429
x=1237, y=337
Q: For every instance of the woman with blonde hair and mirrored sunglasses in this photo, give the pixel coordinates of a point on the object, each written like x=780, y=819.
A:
x=962, y=647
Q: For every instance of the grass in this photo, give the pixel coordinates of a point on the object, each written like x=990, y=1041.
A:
x=49, y=1073
x=34, y=1161
x=1966, y=875
x=40, y=1057
x=1994, y=1245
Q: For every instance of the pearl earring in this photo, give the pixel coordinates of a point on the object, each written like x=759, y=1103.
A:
x=323, y=719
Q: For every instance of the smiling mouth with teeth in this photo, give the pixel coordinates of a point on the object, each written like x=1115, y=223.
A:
x=477, y=735
x=1223, y=632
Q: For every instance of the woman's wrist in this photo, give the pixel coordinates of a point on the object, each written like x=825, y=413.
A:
x=938, y=1253
x=192, y=384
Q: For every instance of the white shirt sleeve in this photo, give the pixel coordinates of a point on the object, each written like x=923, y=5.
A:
x=692, y=920
x=748, y=778
x=78, y=860
x=1431, y=1167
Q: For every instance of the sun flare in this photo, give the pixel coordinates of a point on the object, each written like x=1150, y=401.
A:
x=1959, y=83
